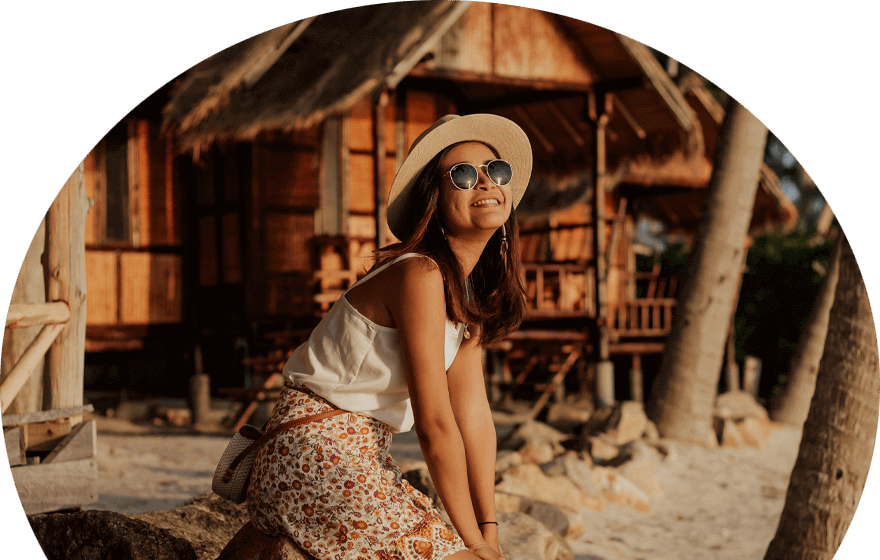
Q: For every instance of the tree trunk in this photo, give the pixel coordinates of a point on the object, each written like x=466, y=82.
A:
x=792, y=403
x=838, y=440
x=684, y=392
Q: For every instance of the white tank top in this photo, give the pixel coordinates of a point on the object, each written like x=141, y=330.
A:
x=355, y=364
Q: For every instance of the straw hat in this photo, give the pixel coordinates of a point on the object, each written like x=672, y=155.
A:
x=508, y=140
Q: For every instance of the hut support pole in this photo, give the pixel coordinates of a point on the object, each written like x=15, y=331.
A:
x=379, y=152
x=65, y=271
x=604, y=367
x=635, y=379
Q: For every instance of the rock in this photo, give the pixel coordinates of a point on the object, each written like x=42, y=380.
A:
x=506, y=459
x=510, y=503
x=577, y=470
x=601, y=450
x=105, y=535
x=628, y=423
x=617, y=489
x=565, y=522
x=640, y=471
x=524, y=538
x=529, y=481
x=252, y=544
x=651, y=431
x=756, y=432
x=537, y=450
x=207, y=522
x=533, y=429
x=730, y=435
x=737, y=405
x=569, y=414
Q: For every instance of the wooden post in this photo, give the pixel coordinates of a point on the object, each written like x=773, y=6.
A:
x=605, y=368
x=379, y=153
x=65, y=270
x=731, y=369
x=752, y=375
x=30, y=287
x=635, y=379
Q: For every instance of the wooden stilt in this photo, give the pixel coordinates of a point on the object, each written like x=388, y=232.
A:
x=635, y=379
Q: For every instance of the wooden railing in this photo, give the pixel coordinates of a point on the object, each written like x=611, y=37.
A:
x=559, y=290
x=641, y=317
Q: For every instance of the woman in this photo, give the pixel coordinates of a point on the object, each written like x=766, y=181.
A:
x=400, y=349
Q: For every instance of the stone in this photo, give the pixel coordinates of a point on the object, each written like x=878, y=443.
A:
x=529, y=481
x=602, y=450
x=252, y=544
x=628, y=423
x=640, y=471
x=737, y=405
x=524, y=538
x=730, y=435
x=105, y=535
x=537, y=450
x=510, y=503
x=534, y=430
x=569, y=414
x=506, y=459
x=207, y=522
x=651, y=431
x=577, y=470
x=756, y=432
x=617, y=489
x=563, y=521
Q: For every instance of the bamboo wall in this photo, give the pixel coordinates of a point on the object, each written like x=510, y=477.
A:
x=136, y=280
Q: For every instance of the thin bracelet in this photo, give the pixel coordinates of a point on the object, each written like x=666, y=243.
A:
x=487, y=523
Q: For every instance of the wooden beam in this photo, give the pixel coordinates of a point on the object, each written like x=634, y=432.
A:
x=599, y=243
x=22, y=370
x=379, y=154
x=563, y=120
x=14, y=438
x=31, y=314
x=46, y=415
x=536, y=130
x=80, y=443
x=628, y=117
x=53, y=486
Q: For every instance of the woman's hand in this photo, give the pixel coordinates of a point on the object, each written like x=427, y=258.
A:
x=484, y=551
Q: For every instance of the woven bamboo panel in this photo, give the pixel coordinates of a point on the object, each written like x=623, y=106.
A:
x=285, y=175
x=101, y=282
x=151, y=288
x=360, y=122
x=286, y=241
x=517, y=31
x=361, y=180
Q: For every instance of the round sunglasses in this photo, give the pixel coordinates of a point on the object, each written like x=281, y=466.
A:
x=465, y=176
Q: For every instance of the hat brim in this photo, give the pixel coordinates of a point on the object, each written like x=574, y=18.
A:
x=503, y=135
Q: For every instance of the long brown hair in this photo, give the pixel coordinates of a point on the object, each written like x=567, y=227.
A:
x=497, y=298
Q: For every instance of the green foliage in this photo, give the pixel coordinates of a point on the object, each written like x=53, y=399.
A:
x=777, y=293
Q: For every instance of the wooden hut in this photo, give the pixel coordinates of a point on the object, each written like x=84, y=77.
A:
x=263, y=194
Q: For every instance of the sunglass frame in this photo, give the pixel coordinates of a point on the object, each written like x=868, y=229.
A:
x=477, y=168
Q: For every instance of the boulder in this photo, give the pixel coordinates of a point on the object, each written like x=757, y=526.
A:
x=105, y=535
x=252, y=544
x=617, y=489
x=533, y=430
x=651, y=431
x=755, y=431
x=578, y=470
x=620, y=423
x=537, y=450
x=565, y=522
x=529, y=481
x=601, y=450
x=506, y=459
x=569, y=414
x=737, y=405
x=729, y=434
x=207, y=522
x=510, y=503
x=640, y=471
x=524, y=538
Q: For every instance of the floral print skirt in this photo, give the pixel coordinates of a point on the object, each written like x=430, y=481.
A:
x=333, y=488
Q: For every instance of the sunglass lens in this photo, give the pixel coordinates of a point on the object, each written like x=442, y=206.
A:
x=500, y=172
x=464, y=176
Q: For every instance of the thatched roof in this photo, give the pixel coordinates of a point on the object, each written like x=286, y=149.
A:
x=680, y=208
x=294, y=76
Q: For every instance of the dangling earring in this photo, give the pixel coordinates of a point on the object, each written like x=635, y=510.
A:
x=504, y=245
x=442, y=231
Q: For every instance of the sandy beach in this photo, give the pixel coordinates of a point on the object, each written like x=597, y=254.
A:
x=716, y=503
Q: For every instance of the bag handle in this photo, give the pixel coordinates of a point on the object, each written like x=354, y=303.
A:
x=227, y=476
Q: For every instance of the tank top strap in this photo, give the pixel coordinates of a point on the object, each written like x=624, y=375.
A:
x=386, y=265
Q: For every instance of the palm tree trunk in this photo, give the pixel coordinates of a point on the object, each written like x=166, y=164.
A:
x=685, y=389
x=838, y=440
x=792, y=403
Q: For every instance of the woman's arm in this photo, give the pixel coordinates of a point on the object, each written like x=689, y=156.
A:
x=419, y=310
x=470, y=404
